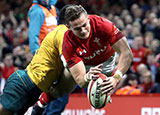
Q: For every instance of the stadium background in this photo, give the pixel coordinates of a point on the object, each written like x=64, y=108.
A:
x=132, y=17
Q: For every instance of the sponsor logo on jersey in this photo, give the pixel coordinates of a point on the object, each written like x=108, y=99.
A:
x=95, y=53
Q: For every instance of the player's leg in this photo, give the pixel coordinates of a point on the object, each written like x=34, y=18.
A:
x=19, y=94
x=41, y=104
x=58, y=104
x=65, y=84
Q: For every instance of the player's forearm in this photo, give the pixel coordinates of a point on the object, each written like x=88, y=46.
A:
x=81, y=81
x=78, y=72
x=123, y=65
x=125, y=61
x=126, y=56
x=92, y=74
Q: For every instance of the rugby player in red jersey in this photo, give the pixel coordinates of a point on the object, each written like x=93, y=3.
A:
x=89, y=48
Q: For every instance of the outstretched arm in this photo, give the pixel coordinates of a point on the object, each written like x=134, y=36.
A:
x=121, y=47
x=125, y=53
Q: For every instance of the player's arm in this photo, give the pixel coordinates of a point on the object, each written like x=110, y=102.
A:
x=119, y=44
x=125, y=59
x=79, y=74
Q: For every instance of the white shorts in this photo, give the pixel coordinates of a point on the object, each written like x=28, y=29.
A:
x=108, y=66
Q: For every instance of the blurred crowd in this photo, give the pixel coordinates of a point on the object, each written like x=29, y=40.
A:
x=139, y=21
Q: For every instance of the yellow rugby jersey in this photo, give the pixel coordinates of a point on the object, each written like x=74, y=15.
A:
x=46, y=65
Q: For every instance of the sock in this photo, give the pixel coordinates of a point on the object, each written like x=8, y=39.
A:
x=44, y=99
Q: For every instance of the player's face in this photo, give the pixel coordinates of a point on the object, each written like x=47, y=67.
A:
x=80, y=27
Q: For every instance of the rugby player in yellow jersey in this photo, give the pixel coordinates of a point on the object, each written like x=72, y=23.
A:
x=24, y=87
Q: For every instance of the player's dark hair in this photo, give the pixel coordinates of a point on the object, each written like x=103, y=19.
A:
x=62, y=14
x=73, y=12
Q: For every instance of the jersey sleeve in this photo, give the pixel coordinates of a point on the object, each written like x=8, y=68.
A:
x=69, y=52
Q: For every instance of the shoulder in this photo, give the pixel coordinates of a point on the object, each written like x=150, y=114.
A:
x=59, y=30
x=100, y=21
x=101, y=25
x=57, y=33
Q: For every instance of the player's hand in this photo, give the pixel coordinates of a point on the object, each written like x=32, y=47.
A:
x=93, y=71
x=108, y=85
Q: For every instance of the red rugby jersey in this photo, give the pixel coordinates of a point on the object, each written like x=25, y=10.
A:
x=94, y=50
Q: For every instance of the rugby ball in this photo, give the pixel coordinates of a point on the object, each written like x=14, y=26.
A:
x=96, y=99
